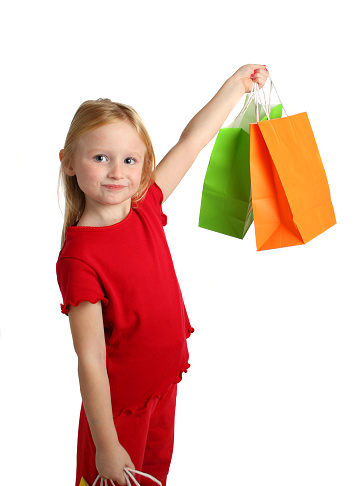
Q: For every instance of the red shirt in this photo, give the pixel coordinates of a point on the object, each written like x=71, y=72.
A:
x=128, y=266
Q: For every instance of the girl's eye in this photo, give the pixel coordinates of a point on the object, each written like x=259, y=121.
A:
x=101, y=158
x=129, y=160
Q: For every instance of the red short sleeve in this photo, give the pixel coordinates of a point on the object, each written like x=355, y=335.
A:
x=78, y=282
x=157, y=197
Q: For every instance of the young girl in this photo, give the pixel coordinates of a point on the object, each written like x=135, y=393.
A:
x=119, y=288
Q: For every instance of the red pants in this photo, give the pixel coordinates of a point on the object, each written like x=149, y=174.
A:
x=147, y=436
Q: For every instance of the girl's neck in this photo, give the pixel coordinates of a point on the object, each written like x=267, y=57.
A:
x=105, y=215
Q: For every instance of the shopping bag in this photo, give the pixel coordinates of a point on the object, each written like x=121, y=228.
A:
x=129, y=476
x=290, y=192
x=249, y=115
x=226, y=205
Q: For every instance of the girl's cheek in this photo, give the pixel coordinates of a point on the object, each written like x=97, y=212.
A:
x=92, y=173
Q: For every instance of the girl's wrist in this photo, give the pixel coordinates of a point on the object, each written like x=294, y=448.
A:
x=107, y=446
x=236, y=85
x=106, y=438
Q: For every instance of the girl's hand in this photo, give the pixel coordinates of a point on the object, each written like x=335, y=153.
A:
x=249, y=74
x=205, y=125
x=110, y=463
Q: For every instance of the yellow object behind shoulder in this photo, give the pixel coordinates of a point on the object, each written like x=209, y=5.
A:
x=83, y=482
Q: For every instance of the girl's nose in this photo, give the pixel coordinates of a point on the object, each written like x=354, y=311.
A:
x=116, y=170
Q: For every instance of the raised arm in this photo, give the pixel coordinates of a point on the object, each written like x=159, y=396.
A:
x=205, y=125
x=87, y=328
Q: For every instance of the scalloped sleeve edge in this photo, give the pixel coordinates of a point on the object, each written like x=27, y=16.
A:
x=65, y=307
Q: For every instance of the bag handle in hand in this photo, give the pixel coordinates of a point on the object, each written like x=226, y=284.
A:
x=256, y=96
x=128, y=476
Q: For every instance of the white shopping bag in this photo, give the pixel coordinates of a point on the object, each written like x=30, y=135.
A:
x=128, y=476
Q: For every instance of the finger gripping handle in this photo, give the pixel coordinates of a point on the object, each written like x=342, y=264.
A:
x=129, y=476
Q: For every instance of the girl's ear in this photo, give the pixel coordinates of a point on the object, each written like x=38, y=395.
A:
x=67, y=169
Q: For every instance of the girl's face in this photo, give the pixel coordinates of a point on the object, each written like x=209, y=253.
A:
x=108, y=165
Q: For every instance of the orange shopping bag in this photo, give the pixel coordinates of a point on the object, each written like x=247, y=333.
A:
x=290, y=192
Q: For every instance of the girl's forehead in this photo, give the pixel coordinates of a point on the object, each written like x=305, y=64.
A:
x=118, y=134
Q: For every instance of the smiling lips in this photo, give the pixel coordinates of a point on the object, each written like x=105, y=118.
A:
x=114, y=187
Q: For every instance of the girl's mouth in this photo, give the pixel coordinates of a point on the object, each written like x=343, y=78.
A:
x=114, y=187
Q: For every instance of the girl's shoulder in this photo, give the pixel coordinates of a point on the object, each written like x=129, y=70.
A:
x=153, y=200
x=153, y=195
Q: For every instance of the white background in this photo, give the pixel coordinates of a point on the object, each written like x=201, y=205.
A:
x=270, y=397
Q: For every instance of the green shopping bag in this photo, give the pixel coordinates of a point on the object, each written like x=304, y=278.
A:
x=226, y=205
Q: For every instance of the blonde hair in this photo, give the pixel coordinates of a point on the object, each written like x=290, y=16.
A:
x=90, y=115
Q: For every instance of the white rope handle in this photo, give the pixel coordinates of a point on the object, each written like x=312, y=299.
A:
x=267, y=108
x=254, y=95
x=128, y=473
x=246, y=105
x=256, y=98
x=274, y=86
